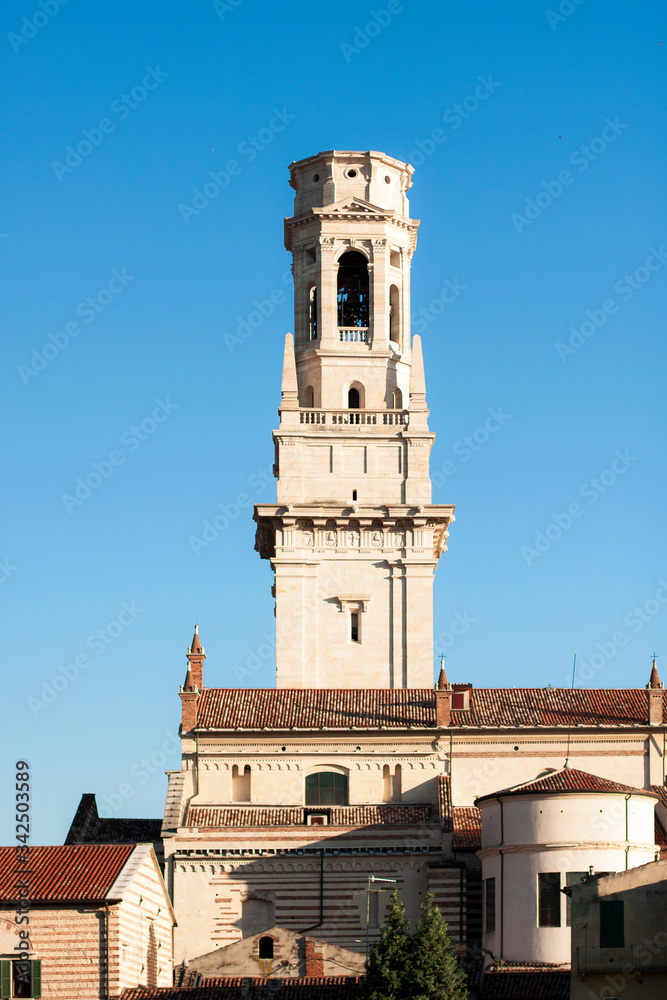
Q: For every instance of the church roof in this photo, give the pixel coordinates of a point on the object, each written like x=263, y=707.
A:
x=249, y=988
x=395, y=708
x=569, y=780
x=345, y=816
x=64, y=874
x=467, y=823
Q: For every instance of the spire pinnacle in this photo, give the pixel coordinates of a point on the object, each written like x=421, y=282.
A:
x=417, y=380
x=654, y=681
x=196, y=656
x=290, y=388
x=443, y=683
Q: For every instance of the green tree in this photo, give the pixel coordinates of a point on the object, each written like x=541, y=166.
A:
x=389, y=965
x=435, y=973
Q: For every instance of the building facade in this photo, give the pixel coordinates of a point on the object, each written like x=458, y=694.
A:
x=99, y=920
x=289, y=799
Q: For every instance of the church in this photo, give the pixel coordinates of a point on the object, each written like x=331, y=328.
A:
x=297, y=809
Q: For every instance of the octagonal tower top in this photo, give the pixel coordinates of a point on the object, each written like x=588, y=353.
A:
x=329, y=177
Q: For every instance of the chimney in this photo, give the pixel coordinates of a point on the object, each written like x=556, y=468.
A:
x=443, y=698
x=314, y=959
x=196, y=656
x=194, y=682
x=189, y=701
x=443, y=707
x=654, y=691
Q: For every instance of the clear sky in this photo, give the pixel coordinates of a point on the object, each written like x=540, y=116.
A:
x=537, y=137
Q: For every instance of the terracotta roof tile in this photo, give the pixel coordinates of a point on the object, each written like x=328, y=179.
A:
x=568, y=780
x=526, y=984
x=247, y=988
x=371, y=708
x=445, y=801
x=389, y=815
x=661, y=792
x=69, y=873
x=467, y=824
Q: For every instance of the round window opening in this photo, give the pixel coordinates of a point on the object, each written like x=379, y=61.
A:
x=352, y=173
x=387, y=179
x=316, y=178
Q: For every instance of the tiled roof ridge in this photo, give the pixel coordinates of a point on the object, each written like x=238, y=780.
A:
x=393, y=708
x=568, y=780
x=387, y=814
x=65, y=872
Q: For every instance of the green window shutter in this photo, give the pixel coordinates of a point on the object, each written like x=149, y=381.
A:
x=612, y=930
x=5, y=978
x=36, y=978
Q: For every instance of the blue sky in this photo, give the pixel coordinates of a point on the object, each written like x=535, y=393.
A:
x=537, y=136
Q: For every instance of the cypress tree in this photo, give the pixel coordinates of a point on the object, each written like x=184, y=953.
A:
x=435, y=973
x=389, y=966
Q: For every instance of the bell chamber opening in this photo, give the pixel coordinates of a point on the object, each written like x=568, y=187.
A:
x=353, y=290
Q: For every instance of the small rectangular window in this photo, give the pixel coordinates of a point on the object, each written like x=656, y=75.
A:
x=354, y=494
x=571, y=878
x=489, y=905
x=354, y=626
x=548, y=899
x=612, y=924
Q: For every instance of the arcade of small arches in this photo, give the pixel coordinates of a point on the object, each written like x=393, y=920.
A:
x=324, y=785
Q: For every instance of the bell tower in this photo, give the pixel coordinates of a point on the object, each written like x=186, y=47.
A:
x=353, y=539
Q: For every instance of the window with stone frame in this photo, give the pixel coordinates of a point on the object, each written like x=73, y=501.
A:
x=326, y=788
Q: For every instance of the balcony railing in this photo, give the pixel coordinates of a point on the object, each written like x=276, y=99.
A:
x=354, y=334
x=346, y=418
x=646, y=955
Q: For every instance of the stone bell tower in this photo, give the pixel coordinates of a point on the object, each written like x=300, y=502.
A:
x=353, y=539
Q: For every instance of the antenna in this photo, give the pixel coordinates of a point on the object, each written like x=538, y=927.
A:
x=569, y=728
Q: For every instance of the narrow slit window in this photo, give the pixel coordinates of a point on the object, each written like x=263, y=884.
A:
x=313, y=313
x=548, y=899
x=354, y=494
x=354, y=626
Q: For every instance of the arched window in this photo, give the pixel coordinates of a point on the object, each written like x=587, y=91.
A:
x=309, y=396
x=326, y=788
x=394, y=315
x=266, y=947
x=353, y=290
x=398, y=398
x=312, y=313
x=353, y=399
x=241, y=784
